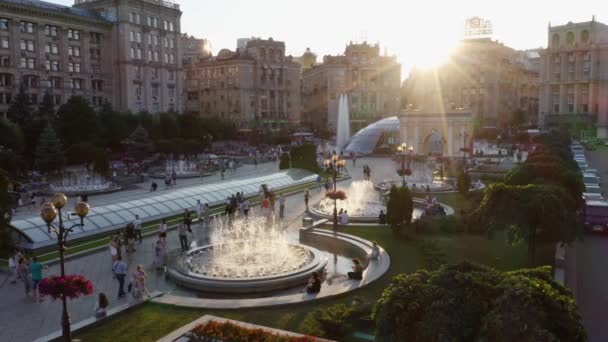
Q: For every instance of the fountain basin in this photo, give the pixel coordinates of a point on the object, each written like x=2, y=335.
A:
x=229, y=281
x=420, y=186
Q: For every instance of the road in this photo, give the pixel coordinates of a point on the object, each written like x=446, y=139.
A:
x=592, y=266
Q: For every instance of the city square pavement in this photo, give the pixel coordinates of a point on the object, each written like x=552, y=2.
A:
x=21, y=319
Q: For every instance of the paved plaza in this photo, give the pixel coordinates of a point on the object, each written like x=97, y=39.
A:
x=23, y=320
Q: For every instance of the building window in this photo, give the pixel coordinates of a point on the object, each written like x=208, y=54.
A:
x=137, y=71
x=33, y=98
x=171, y=75
x=139, y=54
x=585, y=36
x=154, y=40
x=156, y=56
x=131, y=36
x=51, y=31
x=171, y=58
x=5, y=98
x=26, y=27
x=132, y=53
x=29, y=63
x=3, y=24
x=95, y=37
x=555, y=95
x=73, y=34
x=570, y=38
x=165, y=25
x=6, y=80
x=155, y=90
x=166, y=58
x=135, y=18
x=571, y=66
x=5, y=61
x=76, y=83
x=570, y=99
x=171, y=28
x=555, y=41
x=556, y=67
x=51, y=48
x=27, y=45
x=171, y=91
x=57, y=100
x=95, y=53
x=138, y=37
x=138, y=91
x=30, y=81
x=149, y=55
x=54, y=66
x=586, y=65
x=4, y=43
x=55, y=82
x=74, y=51
x=74, y=67
x=97, y=85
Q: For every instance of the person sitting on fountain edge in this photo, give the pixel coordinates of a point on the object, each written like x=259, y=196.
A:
x=314, y=283
x=357, y=273
x=382, y=217
x=375, y=254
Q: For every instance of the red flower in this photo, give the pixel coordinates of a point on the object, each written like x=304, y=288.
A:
x=336, y=195
x=71, y=286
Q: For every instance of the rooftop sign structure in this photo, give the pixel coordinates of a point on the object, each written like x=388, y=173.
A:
x=476, y=27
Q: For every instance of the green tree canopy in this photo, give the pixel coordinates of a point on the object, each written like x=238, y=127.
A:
x=46, y=109
x=48, y=152
x=77, y=121
x=463, y=182
x=11, y=136
x=20, y=110
x=400, y=207
x=284, y=161
x=139, y=144
x=304, y=157
x=6, y=204
x=469, y=302
x=528, y=213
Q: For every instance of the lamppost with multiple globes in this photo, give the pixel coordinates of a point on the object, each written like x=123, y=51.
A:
x=404, y=150
x=49, y=212
x=334, y=163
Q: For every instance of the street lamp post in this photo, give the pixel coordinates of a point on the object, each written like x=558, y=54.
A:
x=49, y=211
x=403, y=150
x=334, y=163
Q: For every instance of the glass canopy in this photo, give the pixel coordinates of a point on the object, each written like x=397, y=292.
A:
x=366, y=140
x=155, y=205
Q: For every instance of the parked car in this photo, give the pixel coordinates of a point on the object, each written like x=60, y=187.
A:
x=595, y=216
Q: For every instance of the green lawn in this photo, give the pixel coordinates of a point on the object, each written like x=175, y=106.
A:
x=151, y=321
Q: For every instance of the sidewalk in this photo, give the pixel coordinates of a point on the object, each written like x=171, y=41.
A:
x=23, y=320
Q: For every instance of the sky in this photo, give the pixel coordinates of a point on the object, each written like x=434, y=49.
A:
x=418, y=32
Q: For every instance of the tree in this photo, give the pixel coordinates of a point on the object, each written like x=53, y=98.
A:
x=115, y=127
x=463, y=182
x=399, y=207
x=6, y=205
x=11, y=136
x=48, y=152
x=169, y=128
x=528, y=213
x=101, y=162
x=469, y=302
x=77, y=121
x=81, y=153
x=139, y=145
x=46, y=110
x=20, y=110
x=304, y=157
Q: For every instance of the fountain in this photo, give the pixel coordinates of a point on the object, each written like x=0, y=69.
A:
x=343, y=123
x=245, y=256
x=362, y=202
x=423, y=175
x=182, y=168
x=82, y=183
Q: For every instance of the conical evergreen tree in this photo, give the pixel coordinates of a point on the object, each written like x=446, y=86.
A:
x=139, y=144
x=48, y=152
x=46, y=110
x=20, y=110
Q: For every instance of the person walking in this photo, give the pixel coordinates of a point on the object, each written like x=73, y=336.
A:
x=199, y=212
x=174, y=177
x=246, y=207
x=36, y=272
x=113, y=250
x=140, y=280
x=137, y=226
x=188, y=220
x=101, y=305
x=306, y=197
x=183, y=235
x=281, y=206
x=159, y=254
x=130, y=237
x=24, y=275
x=14, y=264
x=206, y=214
x=120, y=272
x=162, y=232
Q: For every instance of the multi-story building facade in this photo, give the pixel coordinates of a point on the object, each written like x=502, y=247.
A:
x=194, y=48
x=371, y=81
x=494, y=82
x=123, y=51
x=146, y=53
x=256, y=86
x=46, y=47
x=574, y=76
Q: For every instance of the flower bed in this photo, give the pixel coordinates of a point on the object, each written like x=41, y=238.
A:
x=336, y=195
x=213, y=331
x=72, y=286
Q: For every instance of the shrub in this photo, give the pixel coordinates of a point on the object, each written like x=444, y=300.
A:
x=463, y=182
x=284, y=161
x=338, y=321
x=399, y=207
